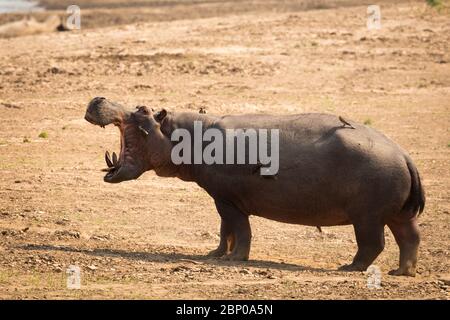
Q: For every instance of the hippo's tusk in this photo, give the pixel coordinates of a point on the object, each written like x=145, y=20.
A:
x=143, y=130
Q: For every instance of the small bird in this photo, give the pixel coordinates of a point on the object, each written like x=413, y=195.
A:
x=345, y=122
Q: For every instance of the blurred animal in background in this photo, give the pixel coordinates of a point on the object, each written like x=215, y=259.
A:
x=30, y=26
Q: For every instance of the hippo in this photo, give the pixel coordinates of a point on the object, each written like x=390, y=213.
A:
x=331, y=172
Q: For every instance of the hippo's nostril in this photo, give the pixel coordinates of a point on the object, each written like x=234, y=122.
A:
x=97, y=99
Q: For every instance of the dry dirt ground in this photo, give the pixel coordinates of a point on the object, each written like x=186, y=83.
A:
x=147, y=238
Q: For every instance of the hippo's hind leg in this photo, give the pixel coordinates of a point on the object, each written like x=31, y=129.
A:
x=235, y=233
x=370, y=240
x=407, y=236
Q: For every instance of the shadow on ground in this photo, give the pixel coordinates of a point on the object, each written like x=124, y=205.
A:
x=164, y=257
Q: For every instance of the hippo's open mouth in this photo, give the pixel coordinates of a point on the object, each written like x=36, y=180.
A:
x=127, y=165
x=114, y=163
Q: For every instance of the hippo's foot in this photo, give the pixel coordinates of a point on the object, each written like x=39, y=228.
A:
x=403, y=272
x=407, y=235
x=216, y=253
x=235, y=257
x=352, y=267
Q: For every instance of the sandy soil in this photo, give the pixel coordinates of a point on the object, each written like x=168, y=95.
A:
x=147, y=238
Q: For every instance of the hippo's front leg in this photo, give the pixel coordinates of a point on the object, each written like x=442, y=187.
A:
x=226, y=243
x=235, y=233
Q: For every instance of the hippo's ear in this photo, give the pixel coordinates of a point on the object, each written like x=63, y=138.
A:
x=159, y=116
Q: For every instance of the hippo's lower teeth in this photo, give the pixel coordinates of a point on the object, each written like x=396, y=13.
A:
x=114, y=159
x=108, y=160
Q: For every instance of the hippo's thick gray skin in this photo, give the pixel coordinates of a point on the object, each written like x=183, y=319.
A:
x=329, y=174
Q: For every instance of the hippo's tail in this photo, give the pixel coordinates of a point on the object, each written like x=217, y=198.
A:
x=416, y=200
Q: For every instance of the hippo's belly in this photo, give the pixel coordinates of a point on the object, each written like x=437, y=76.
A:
x=297, y=204
x=290, y=197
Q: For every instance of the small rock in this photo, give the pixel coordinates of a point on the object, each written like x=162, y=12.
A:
x=100, y=237
x=67, y=234
x=179, y=269
x=63, y=221
x=445, y=280
x=245, y=271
